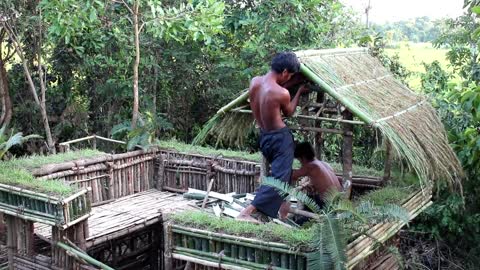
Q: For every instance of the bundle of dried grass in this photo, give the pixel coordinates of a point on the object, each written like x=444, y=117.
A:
x=226, y=126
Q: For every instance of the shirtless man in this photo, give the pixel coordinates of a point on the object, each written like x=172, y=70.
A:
x=268, y=100
x=322, y=177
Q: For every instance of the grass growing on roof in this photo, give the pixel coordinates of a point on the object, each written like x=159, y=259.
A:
x=15, y=172
x=21, y=178
x=37, y=161
x=297, y=237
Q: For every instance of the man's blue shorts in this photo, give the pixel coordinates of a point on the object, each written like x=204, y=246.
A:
x=277, y=147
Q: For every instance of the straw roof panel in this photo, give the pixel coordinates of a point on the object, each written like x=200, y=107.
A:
x=409, y=121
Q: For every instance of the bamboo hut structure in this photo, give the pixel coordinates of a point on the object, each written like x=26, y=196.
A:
x=119, y=216
x=354, y=84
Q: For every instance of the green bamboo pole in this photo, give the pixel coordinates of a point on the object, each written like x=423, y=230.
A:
x=241, y=244
x=242, y=98
x=84, y=256
x=215, y=258
x=327, y=88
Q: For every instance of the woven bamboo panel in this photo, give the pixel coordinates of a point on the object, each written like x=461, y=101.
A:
x=109, y=177
x=44, y=208
x=237, y=175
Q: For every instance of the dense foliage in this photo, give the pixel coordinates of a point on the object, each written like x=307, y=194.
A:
x=194, y=57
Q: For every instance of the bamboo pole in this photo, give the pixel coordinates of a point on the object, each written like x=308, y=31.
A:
x=83, y=256
x=243, y=97
x=347, y=151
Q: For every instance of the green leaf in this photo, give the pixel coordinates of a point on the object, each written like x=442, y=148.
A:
x=476, y=10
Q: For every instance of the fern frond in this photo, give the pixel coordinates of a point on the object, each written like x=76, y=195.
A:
x=319, y=258
x=336, y=242
x=395, y=212
x=284, y=189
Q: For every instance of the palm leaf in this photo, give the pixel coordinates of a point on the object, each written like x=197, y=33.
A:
x=319, y=259
x=336, y=242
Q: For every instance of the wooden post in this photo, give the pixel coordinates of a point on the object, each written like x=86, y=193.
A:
x=94, y=142
x=318, y=124
x=167, y=245
x=159, y=172
x=11, y=240
x=347, y=150
x=388, y=161
x=24, y=237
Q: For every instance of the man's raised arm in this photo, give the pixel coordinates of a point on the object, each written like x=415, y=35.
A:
x=288, y=107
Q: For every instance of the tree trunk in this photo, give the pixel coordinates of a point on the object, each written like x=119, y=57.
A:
x=43, y=89
x=136, y=64
x=40, y=103
x=6, y=116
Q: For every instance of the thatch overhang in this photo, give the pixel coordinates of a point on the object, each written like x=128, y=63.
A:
x=361, y=84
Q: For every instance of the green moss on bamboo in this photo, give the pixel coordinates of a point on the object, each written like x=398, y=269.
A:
x=296, y=237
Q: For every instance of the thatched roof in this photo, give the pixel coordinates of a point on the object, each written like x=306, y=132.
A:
x=359, y=82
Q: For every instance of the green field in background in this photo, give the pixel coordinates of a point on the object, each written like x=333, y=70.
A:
x=412, y=55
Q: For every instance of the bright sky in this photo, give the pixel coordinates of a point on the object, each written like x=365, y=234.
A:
x=397, y=10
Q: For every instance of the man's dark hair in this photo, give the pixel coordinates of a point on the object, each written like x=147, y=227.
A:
x=304, y=150
x=285, y=60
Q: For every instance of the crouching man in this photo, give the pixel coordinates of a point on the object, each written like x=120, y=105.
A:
x=322, y=176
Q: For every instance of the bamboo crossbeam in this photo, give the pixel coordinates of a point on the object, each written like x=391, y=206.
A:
x=181, y=229
x=239, y=262
x=51, y=168
x=311, y=117
x=83, y=256
x=192, y=259
x=323, y=130
x=215, y=167
x=28, y=193
x=330, y=52
x=89, y=138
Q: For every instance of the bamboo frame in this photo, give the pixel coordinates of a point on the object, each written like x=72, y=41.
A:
x=311, y=117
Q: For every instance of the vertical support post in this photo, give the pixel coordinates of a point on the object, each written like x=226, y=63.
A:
x=155, y=249
x=159, y=172
x=94, y=142
x=388, y=162
x=167, y=245
x=347, y=151
x=318, y=124
x=11, y=240
x=24, y=231
x=304, y=122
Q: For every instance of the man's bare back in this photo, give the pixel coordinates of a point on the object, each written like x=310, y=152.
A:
x=321, y=175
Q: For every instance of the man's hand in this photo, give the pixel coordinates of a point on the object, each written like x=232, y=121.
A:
x=303, y=89
x=296, y=79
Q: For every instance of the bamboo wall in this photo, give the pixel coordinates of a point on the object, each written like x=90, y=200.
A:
x=182, y=171
x=109, y=177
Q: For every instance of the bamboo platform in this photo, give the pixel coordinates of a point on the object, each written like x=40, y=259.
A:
x=126, y=215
